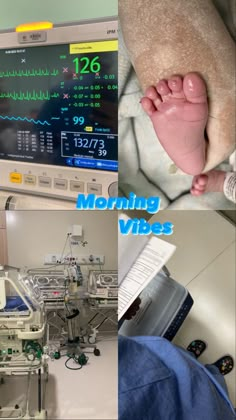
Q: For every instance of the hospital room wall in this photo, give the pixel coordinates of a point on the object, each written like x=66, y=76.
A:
x=15, y=12
x=32, y=235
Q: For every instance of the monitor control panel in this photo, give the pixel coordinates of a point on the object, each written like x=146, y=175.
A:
x=59, y=110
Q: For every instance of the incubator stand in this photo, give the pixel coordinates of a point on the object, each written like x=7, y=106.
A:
x=63, y=300
x=22, y=330
x=103, y=297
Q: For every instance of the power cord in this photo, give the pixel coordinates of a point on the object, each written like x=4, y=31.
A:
x=81, y=360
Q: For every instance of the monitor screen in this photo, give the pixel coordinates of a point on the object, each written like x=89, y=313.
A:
x=59, y=105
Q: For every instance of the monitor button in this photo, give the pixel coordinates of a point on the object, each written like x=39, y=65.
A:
x=60, y=184
x=77, y=186
x=113, y=189
x=30, y=179
x=94, y=189
x=45, y=182
x=15, y=178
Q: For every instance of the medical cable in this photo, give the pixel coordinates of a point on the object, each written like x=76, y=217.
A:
x=81, y=360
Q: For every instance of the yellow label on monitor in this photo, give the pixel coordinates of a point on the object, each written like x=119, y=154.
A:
x=88, y=128
x=92, y=47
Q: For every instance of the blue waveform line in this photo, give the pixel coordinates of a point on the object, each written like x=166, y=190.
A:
x=30, y=120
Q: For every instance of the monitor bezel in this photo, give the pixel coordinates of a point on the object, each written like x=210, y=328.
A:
x=66, y=33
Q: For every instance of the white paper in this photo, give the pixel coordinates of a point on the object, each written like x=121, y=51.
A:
x=130, y=246
x=148, y=263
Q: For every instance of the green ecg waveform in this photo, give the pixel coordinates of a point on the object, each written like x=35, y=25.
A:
x=30, y=96
x=29, y=73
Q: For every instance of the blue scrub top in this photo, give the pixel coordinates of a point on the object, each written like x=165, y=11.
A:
x=160, y=381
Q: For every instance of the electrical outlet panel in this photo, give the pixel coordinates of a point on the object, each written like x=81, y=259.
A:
x=92, y=259
x=52, y=259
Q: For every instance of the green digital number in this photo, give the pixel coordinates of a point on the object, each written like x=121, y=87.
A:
x=84, y=65
x=95, y=66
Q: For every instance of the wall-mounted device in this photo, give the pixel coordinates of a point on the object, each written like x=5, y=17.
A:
x=58, y=109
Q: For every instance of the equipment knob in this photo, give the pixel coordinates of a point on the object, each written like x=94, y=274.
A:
x=113, y=189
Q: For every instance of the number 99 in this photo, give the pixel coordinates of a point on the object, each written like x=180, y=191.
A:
x=78, y=120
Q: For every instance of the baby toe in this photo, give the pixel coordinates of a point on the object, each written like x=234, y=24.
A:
x=194, y=88
x=175, y=83
x=148, y=106
x=163, y=88
x=152, y=94
x=202, y=180
x=196, y=192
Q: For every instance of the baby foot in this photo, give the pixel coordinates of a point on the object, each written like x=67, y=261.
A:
x=179, y=111
x=212, y=181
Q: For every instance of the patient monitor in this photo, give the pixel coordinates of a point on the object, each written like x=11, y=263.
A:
x=58, y=109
